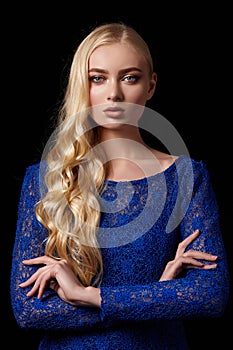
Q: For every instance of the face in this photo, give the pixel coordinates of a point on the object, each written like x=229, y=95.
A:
x=120, y=84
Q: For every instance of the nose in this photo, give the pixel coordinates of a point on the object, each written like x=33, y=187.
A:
x=114, y=92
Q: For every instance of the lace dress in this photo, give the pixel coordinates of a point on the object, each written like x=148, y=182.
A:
x=141, y=225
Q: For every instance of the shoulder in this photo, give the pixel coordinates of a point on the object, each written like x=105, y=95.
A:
x=31, y=186
x=184, y=163
x=193, y=172
x=32, y=168
x=198, y=167
x=35, y=168
x=34, y=173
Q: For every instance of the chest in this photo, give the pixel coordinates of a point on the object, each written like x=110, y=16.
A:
x=142, y=260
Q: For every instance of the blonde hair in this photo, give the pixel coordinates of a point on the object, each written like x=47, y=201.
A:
x=75, y=176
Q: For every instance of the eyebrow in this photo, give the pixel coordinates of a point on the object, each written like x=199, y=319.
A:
x=122, y=71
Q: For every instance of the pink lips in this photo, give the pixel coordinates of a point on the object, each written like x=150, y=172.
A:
x=113, y=112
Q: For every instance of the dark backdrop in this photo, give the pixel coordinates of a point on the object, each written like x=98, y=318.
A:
x=191, y=48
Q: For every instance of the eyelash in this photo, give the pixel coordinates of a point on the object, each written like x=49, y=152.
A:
x=100, y=78
x=135, y=78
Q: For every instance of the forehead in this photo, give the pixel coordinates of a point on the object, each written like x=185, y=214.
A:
x=116, y=56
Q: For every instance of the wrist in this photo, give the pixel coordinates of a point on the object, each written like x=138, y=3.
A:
x=93, y=296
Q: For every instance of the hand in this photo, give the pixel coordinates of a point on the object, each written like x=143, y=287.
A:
x=60, y=277
x=187, y=259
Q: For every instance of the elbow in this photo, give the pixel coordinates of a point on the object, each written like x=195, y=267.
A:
x=218, y=301
x=21, y=316
x=223, y=301
x=22, y=308
x=219, y=307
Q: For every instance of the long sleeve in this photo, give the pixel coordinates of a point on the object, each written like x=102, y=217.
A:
x=137, y=241
x=130, y=290
x=49, y=312
x=198, y=293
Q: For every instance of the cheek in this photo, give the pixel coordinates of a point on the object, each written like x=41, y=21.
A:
x=137, y=95
x=96, y=96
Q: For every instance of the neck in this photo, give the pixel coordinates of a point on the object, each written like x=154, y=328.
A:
x=123, y=141
x=119, y=131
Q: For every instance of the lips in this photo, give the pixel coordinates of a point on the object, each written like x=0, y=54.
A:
x=113, y=112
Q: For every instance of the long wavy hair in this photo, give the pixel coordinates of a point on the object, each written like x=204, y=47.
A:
x=75, y=175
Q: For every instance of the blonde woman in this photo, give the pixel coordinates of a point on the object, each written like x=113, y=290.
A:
x=117, y=243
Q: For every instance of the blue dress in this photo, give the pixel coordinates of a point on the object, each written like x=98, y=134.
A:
x=142, y=223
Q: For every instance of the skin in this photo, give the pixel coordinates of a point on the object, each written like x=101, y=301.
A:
x=120, y=79
x=117, y=74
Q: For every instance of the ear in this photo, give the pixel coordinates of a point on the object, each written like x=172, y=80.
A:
x=152, y=86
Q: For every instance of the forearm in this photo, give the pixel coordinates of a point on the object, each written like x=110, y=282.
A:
x=51, y=312
x=199, y=294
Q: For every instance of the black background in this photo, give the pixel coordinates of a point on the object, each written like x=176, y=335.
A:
x=191, y=48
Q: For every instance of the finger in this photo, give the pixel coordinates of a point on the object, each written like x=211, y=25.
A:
x=40, y=285
x=209, y=266
x=33, y=290
x=188, y=262
x=29, y=281
x=33, y=278
x=183, y=245
x=39, y=260
x=26, y=283
x=202, y=267
x=190, y=238
x=199, y=255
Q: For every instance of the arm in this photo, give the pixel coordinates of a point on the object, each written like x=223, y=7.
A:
x=49, y=312
x=198, y=292
x=170, y=298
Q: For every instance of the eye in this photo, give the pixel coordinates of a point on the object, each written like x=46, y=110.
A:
x=96, y=79
x=131, y=78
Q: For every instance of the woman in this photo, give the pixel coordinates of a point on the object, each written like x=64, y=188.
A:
x=117, y=243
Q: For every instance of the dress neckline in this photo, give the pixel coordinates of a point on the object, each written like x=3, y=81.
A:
x=142, y=179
